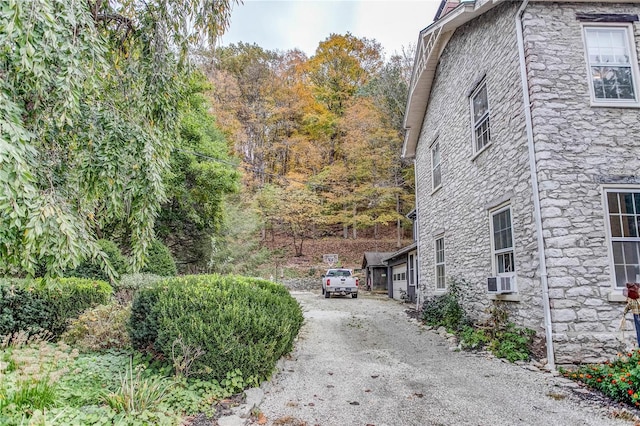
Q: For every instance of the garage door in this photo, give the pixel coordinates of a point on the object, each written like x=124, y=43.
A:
x=399, y=281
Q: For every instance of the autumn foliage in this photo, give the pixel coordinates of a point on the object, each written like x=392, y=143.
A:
x=319, y=138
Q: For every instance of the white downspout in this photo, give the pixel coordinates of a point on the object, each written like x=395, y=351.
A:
x=416, y=238
x=534, y=187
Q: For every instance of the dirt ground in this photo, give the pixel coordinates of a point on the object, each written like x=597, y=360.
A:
x=366, y=362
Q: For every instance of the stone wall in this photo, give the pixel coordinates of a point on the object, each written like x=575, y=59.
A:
x=303, y=284
x=578, y=149
x=473, y=185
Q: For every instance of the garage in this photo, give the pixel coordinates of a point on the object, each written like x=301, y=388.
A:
x=399, y=279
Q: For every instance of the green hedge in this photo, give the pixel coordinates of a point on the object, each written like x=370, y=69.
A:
x=240, y=323
x=36, y=305
x=159, y=261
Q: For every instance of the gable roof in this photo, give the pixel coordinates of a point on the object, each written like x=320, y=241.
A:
x=431, y=42
x=374, y=258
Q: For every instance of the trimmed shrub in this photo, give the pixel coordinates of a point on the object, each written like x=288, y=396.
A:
x=91, y=269
x=35, y=305
x=99, y=328
x=159, y=261
x=129, y=284
x=237, y=322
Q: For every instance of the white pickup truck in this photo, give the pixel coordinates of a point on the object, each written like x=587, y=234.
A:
x=339, y=281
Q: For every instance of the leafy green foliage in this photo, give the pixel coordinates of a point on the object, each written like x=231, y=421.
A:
x=447, y=309
x=200, y=174
x=93, y=269
x=512, y=343
x=618, y=379
x=237, y=249
x=77, y=389
x=341, y=65
x=32, y=382
x=240, y=323
x=473, y=339
x=34, y=305
x=38, y=53
x=100, y=328
x=159, y=261
x=88, y=114
x=498, y=335
x=130, y=283
x=54, y=385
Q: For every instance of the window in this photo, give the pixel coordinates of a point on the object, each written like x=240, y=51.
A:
x=440, y=275
x=480, y=114
x=435, y=165
x=611, y=64
x=502, y=241
x=623, y=210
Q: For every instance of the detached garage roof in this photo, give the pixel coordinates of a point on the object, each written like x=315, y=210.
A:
x=375, y=258
x=401, y=252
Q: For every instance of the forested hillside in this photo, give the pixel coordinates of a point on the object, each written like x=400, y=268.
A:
x=319, y=138
x=119, y=129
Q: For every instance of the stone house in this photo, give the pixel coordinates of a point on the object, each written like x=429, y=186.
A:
x=523, y=120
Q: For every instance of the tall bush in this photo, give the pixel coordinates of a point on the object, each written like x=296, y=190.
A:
x=159, y=261
x=35, y=305
x=238, y=323
x=92, y=269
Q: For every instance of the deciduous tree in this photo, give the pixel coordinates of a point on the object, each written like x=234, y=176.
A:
x=88, y=97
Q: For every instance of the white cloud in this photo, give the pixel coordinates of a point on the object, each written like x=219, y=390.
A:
x=304, y=24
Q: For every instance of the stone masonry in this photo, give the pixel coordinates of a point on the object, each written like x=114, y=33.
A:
x=578, y=149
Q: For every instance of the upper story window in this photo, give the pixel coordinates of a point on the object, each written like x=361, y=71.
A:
x=623, y=212
x=440, y=272
x=435, y=165
x=502, y=241
x=612, y=66
x=480, y=115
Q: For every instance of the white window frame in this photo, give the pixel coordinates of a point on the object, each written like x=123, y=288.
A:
x=634, y=189
x=436, y=169
x=633, y=64
x=476, y=124
x=440, y=264
x=412, y=269
x=496, y=253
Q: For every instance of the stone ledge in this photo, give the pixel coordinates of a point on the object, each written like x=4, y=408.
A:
x=616, y=297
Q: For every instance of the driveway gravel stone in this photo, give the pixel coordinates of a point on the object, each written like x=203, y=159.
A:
x=366, y=362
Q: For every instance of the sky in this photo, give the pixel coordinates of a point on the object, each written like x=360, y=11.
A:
x=287, y=24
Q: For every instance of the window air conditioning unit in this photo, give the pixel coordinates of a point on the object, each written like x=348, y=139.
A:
x=501, y=284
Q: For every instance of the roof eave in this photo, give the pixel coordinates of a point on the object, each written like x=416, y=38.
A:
x=421, y=83
x=403, y=250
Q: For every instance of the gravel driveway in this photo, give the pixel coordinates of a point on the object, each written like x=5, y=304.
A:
x=365, y=362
